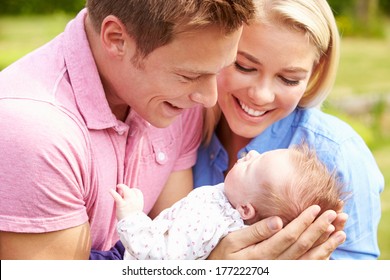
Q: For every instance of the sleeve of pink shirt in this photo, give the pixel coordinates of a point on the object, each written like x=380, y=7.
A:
x=192, y=123
x=42, y=169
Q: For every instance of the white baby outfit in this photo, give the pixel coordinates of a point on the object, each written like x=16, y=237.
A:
x=190, y=229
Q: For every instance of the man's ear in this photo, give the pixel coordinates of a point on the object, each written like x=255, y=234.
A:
x=113, y=36
x=247, y=211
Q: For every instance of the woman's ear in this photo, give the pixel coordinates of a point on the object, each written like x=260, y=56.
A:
x=113, y=36
x=247, y=211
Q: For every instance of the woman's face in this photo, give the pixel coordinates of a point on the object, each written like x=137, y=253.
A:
x=267, y=81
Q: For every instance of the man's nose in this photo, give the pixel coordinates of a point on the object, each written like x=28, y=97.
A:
x=207, y=94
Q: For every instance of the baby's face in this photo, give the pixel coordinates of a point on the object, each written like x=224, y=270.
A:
x=254, y=170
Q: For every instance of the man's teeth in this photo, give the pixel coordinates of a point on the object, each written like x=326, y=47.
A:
x=250, y=111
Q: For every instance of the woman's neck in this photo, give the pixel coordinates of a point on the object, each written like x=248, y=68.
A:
x=232, y=142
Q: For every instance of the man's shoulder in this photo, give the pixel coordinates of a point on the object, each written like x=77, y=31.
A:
x=44, y=124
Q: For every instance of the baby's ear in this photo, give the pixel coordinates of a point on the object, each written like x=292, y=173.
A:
x=247, y=211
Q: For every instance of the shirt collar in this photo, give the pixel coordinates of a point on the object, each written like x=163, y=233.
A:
x=280, y=133
x=84, y=77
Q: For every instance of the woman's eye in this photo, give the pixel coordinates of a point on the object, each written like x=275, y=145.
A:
x=243, y=69
x=289, y=82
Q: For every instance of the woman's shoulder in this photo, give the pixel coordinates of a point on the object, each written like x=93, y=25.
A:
x=320, y=124
x=334, y=140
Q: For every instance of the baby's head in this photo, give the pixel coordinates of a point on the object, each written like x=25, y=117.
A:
x=281, y=183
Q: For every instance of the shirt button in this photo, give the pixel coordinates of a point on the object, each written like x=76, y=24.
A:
x=212, y=156
x=161, y=156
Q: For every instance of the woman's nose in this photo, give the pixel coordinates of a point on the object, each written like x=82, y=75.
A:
x=261, y=94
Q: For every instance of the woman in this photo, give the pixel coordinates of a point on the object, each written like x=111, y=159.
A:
x=285, y=67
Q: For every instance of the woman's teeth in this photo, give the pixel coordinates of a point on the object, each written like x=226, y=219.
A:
x=250, y=111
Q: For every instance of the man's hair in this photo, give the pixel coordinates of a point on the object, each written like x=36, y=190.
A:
x=311, y=184
x=154, y=23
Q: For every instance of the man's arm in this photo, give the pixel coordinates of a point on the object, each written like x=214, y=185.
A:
x=179, y=184
x=72, y=243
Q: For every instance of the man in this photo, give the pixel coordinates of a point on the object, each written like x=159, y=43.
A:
x=116, y=98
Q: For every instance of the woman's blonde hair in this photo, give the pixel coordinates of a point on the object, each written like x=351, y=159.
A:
x=313, y=17
x=316, y=20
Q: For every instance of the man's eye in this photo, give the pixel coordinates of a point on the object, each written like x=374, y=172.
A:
x=243, y=69
x=190, y=79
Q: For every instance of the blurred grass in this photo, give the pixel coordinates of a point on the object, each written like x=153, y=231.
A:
x=364, y=65
x=383, y=158
x=362, y=62
x=22, y=34
x=364, y=69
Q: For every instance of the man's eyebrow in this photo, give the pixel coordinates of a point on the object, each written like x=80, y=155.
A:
x=193, y=72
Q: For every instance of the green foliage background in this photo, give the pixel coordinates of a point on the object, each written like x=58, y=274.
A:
x=40, y=6
x=72, y=6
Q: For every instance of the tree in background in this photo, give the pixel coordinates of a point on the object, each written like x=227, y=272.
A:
x=361, y=17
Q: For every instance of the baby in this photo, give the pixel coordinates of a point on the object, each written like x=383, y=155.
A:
x=280, y=183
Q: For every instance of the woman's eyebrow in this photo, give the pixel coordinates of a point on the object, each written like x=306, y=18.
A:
x=287, y=69
x=249, y=57
x=295, y=70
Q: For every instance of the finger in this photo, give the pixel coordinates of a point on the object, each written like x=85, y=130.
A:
x=340, y=206
x=325, y=236
x=340, y=221
x=324, y=251
x=258, y=232
x=262, y=230
x=124, y=191
x=119, y=189
x=133, y=195
x=117, y=197
x=122, y=187
x=337, y=225
x=310, y=235
x=240, y=244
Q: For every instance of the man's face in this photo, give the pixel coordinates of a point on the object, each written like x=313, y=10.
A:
x=174, y=77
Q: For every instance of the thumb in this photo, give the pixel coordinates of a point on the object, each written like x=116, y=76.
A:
x=256, y=232
x=263, y=229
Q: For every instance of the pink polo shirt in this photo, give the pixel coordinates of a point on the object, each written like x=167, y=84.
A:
x=62, y=149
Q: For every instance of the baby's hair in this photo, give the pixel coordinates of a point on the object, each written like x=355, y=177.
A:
x=311, y=184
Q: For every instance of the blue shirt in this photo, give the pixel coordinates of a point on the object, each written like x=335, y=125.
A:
x=340, y=148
